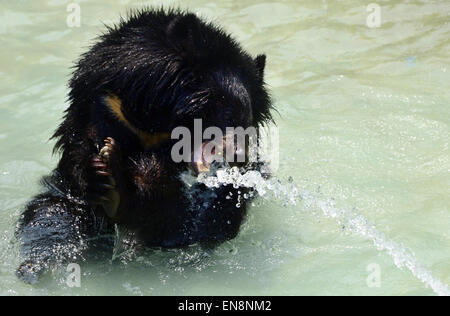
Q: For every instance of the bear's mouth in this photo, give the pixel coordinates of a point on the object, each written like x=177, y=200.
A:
x=199, y=160
x=225, y=152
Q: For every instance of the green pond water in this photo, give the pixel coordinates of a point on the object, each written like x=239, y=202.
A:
x=364, y=123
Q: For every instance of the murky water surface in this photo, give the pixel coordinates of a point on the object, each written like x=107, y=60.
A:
x=364, y=121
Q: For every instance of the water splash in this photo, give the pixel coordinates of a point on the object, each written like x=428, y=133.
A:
x=352, y=220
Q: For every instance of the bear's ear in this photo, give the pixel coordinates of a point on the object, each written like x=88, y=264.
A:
x=181, y=27
x=184, y=30
x=260, y=62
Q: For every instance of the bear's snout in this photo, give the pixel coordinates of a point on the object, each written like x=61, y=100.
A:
x=224, y=152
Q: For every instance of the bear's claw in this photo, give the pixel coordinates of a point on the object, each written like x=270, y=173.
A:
x=102, y=186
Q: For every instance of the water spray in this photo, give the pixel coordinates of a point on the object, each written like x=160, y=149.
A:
x=352, y=220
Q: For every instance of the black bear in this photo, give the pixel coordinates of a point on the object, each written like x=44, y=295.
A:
x=156, y=70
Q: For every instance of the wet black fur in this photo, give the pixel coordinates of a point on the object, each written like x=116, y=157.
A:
x=167, y=67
